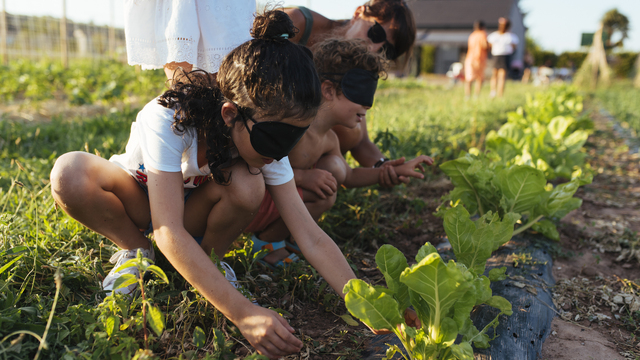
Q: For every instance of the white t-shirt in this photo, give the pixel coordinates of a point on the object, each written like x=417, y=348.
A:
x=153, y=143
x=200, y=32
x=502, y=44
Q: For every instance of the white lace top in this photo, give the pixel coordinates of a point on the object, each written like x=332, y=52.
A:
x=200, y=32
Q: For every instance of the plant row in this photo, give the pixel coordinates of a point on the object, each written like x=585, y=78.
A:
x=503, y=186
x=83, y=82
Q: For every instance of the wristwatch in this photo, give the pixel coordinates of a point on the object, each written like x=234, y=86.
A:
x=380, y=162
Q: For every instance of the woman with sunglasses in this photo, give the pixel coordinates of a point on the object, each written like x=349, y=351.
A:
x=195, y=170
x=387, y=26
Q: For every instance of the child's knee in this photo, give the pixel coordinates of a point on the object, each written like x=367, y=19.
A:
x=67, y=175
x=246, y=190
x=326, y=204
x=335, y=165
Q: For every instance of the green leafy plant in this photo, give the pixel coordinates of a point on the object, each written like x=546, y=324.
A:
x=442, y=294
x=546, y=134
x=483, y=186
x=155, y=317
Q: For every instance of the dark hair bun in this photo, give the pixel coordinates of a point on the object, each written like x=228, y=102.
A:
x=272, y=24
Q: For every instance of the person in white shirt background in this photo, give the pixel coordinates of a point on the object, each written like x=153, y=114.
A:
x=503, y=44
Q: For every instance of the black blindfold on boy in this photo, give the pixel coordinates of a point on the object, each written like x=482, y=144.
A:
x=358, y=85
x=273, y=139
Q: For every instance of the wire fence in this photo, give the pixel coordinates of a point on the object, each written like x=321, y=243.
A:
x=36, y=37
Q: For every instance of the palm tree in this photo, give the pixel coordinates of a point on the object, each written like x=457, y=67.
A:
x=613, y=21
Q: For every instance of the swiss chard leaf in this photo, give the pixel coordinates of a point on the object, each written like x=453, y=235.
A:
x=472, y=243
x=425, y=250
x=392, y=263
x=439, y=285
x=377, y=309
x=560, y=201
x=521, y=188
x=547, y=228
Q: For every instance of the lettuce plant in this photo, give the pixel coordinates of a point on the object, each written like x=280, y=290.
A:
x=552, y=148
x=442, y=294
x=547, y=134
x=483, y=186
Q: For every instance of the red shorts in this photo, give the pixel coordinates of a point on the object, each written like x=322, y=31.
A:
x=267, y=213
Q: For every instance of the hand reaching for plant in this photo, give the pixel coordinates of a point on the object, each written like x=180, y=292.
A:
x=321, y=182
x=388, y=177
x=268, y=332
x=402, y=170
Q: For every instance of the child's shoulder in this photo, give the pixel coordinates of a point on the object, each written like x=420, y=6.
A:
x=154, y=111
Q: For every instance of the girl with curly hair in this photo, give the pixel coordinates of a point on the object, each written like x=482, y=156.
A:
x=195, y=170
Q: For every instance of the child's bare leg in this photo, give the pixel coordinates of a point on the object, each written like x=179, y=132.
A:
x=277, y=230
x=222, y=212
x=103, y=197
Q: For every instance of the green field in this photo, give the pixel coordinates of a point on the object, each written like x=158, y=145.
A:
x=40, y=244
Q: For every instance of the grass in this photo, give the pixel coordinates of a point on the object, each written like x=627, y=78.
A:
x=37, y=239
x=621, y=100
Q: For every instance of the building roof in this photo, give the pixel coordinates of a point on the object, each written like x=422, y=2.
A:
x=459, y=14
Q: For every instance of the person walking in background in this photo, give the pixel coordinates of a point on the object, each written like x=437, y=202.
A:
x=187, y=34
x=503, y=44
x=476, y=59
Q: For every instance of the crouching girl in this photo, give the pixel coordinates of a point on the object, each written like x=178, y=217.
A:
x=195, y=170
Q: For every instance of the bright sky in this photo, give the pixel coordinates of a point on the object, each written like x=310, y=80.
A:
x=554, y=24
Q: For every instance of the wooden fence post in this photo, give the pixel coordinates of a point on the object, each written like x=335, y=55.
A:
x=112, y=32
x=63, y=35
x=3, y=34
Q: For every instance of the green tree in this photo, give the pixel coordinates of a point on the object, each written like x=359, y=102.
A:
x=613, y=21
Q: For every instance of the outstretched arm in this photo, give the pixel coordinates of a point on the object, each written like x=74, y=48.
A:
x=365, y=152
x=317, y=247
x=359, y=177
x=267, y=331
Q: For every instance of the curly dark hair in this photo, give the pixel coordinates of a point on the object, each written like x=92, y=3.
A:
x=337, y=56
x=402, y=19
x=268, y=76
x=197, y=102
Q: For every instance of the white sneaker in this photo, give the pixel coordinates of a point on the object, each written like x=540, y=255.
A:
x=230, y=275
x=120, y=258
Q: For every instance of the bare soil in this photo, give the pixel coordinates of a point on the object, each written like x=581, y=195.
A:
x=597, y=293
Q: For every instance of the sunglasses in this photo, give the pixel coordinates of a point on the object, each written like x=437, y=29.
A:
x=273, y=139
x=377, y=34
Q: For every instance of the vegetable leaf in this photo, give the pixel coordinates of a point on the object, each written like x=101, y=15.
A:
x=392, y=263
x=377, y=309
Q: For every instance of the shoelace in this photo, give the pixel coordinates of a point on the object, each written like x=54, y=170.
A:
x=120, y=255
x=229, y=274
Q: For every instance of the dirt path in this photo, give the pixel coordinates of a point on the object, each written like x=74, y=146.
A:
x=596, y=264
